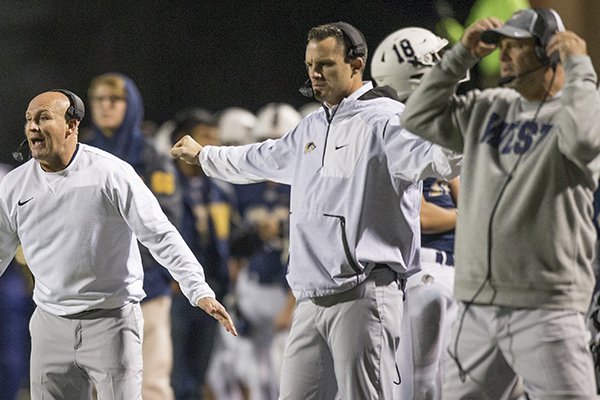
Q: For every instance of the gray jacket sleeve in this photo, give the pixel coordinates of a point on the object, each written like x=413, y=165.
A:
x=579, y=133
x=433, y=111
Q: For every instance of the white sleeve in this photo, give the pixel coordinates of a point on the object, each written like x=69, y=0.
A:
x=271, y=160
x=143, y=215
x=9, y=241
x=412, y=158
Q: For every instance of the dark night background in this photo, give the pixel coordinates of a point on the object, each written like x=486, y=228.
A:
x=212, y=54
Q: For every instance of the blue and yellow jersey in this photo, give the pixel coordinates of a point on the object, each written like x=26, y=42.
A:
x=438, y=192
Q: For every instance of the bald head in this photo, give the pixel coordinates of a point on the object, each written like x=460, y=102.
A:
x=52, y=100
x=51, y=137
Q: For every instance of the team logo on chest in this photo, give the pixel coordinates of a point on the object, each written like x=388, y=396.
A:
x=513, y=137
x=310, y=146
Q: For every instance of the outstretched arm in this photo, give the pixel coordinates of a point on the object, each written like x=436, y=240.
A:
x=268, y=160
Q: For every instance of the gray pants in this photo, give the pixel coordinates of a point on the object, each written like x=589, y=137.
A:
x=101, y=347
x=345, y=342
x=547, y=348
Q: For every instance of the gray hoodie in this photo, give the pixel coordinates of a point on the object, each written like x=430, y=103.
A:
x=524, y=234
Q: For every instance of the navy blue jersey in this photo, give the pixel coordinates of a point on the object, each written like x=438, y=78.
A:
x=206, y=226
x=438, y=192
x=267, y=264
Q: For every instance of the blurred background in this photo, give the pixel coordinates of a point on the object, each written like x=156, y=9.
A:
x=212, y=54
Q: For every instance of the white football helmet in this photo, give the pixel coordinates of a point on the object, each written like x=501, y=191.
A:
x=235, y=126
x=402, y=58
x=274, y=120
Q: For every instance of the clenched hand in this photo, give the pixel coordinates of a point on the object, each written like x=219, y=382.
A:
x=187, y=149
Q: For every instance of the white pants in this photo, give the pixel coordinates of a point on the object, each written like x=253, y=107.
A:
x=429, y=311
x=259, y=303
x=102, y=347
x=345, y=342
x=548, y=348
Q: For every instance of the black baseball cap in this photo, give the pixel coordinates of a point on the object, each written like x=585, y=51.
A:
x=520, y=26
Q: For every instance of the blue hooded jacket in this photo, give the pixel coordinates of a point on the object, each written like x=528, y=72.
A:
x=157, y=170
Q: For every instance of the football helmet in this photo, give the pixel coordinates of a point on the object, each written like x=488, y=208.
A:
x=235, y=126
x=274, y=120
x=402, y=58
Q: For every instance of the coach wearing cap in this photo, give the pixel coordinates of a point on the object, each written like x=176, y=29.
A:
x=524, y=238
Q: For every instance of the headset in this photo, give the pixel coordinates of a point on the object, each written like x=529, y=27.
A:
x=356, y=46
x=76, y=108
x=545, y=25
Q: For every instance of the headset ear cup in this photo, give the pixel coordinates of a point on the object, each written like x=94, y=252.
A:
x=540, y=52
x=550, y=23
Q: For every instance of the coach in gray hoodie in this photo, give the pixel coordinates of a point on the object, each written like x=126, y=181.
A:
x=524, y=238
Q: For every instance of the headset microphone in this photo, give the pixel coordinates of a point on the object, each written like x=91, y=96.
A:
x=505, y=80
x=18, y=153
x=307, y=90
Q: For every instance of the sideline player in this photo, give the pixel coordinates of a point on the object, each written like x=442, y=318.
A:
x=400, y=61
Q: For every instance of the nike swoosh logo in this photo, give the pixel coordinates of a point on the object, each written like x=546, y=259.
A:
x=22, y=203
x=339, y=147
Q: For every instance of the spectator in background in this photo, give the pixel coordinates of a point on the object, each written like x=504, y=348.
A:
x=117, y=114
x=207, y=214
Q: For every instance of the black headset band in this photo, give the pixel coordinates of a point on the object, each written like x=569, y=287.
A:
x=76, y=108
x=545, y=26
x=358, y=46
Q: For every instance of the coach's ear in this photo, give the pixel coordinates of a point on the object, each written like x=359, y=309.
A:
x=72, y=127
x=357, y=65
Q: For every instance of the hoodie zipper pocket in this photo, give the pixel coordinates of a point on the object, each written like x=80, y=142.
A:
x=350, y=259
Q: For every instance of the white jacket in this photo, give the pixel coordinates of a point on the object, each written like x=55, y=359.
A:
x=355, y=188
x=78, y=228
